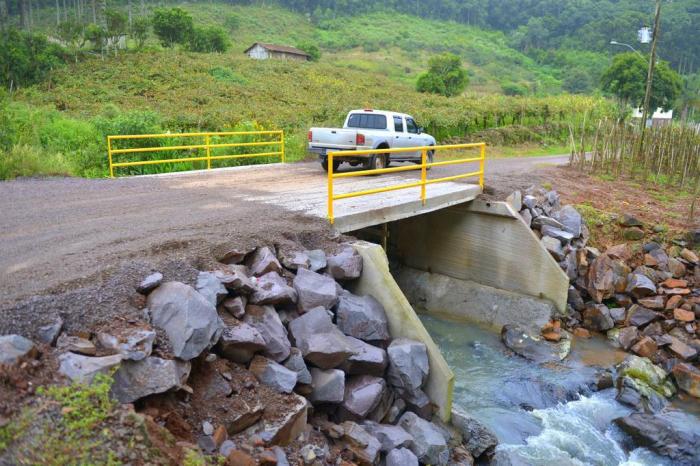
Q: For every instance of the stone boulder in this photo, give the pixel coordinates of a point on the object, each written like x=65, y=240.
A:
x=240, y=342
x=319, y=340
x=362, y=317
x=408, y=365
x=209, y=286
x=317, y=259
x=271, y=288
x=597, y=318
x=314, y=290
x=188, y=319
x=295, y=362
x=687, y=378
x=390, y=437
x=533, y=348
x=266, y=321
x=49, y=333
x=478, y=439
x=150, y=283
x=15, y=347
x=263, y=261
x=273, y=375
x=329, y=386
x=363, y=393
x=429, y=445
x=664, y=434
x=368, y=359
x=133, y=344
x=137, y=379
x=236, y=306
x=294, y=259
x=640, y=286
x=401, y=457
x=639, y=316
x=563, y=236
x=346, y=264
x=553, y=246
x=627, y=337
x=643, y=385
x=76, y=344
x=606, y=276
x=83, y=369
x=287, y=425
x=570, y=219
x=363, y=445
x=236, y=278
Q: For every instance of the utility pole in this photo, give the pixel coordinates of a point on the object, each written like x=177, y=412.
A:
x=652, y=62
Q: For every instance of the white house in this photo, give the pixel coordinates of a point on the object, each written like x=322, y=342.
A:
x=262, y=51
x=660, y=118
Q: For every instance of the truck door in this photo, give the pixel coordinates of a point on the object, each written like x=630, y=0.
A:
x=413, y=139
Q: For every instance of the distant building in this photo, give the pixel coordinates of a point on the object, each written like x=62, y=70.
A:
x=659, y=118
x=261, y=51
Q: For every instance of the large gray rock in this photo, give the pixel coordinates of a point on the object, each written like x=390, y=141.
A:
x=571, y=220
x=477, y=438
x=597, y=318
x=408, y=365
x=321, y=343
x=295, y=362
x=314, y=290
x=639, y=286
x=149, y=283
x=535, y=349
x=563, y=236
x=189, y=320
x=544, y=221
x=390, y=437
x=401, y=457
x=236, y=278
x=329, y=386
x=273, y=289
x=368, y=359
x=429, y=445
x=209, y=286
x=266, y=320
x=643, y=385
x=345, y=264
x=362, y=317
x=553, y=246
x=240, y=342
x=137, y=379
x=606, y=276
x=14, y=347
x=363, y=393
x=48, y=334
x=134, y=345
x=83, y=369
x=294, y=259
x=273, y=374
x=668, y=434
x=639, y=316
x=76, y=344
x=363, y=445
x=263, y=261
x=236, y=306
x=317, y=259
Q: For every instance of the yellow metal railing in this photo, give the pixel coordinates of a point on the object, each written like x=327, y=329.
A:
x=206, y=145
x=423, y=167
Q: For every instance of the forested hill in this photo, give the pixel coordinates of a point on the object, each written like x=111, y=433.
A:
x=538, y=26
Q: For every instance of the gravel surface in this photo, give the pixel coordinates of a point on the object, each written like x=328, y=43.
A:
x=77, y=247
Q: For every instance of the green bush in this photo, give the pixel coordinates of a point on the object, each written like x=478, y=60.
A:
x=312, y=49
x=172, y=25
x=26, y=58
x=208, y=39
x=514, y=89
x=24, y=160
x=445, y=76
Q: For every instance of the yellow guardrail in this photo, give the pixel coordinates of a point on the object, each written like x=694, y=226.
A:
x=206, y=145
x=423, y=167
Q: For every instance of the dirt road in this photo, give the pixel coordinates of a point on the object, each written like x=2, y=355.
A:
x=64, y=233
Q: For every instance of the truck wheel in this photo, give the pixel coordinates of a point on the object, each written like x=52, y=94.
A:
x=377, y=162
x=430, y=157
x=324, y=164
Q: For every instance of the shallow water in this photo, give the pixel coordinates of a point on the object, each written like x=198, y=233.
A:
x=541, y=414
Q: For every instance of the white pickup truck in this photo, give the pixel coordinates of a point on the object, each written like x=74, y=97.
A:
x=371, y=129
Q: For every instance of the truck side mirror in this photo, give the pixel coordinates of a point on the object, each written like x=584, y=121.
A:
x=420, y=130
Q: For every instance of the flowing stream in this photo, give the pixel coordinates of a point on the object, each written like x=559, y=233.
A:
x=541, y=414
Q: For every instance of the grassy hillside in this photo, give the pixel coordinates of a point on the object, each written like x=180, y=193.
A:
x=59, y=126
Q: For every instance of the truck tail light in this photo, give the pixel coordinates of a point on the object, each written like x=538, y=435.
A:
x=360, y=139
x=311, y=135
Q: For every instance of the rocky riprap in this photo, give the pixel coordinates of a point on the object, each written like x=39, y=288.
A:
x=269, y=359
x=644, y=296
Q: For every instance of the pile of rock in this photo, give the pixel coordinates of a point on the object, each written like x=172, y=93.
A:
x=284, y=317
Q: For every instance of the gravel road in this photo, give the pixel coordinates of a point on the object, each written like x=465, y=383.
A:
x=64, y=234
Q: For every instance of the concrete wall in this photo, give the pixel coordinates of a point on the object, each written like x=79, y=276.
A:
x=484, y=242
x=471, y=302
x=377, y=281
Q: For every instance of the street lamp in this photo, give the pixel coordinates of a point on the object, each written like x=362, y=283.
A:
x=614, y=42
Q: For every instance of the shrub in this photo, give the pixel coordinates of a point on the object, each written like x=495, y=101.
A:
x=24, y=160
x=208, y=39
x=172, y=25
x=514, y=89
x=311, y=49
x=139, y=30
x=445, y=76
x=97, y=35
x=232, y=22
x=26, y=58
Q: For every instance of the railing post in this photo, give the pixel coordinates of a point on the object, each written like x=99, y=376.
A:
x=329, y=161
x=207, y=141
x=423, y=175
x=109, y=154
x=282, y=141
x=482, y=162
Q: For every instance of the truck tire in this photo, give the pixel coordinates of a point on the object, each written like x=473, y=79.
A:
x=324, y=164
x=377, y=162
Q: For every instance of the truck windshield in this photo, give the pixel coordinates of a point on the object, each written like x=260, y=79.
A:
x=367, y=121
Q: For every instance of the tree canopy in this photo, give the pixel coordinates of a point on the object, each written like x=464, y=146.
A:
x=445, y=76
